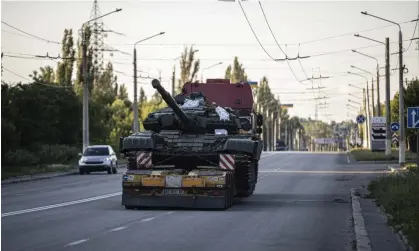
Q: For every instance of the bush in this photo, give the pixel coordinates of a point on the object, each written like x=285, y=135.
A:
x=44, y=154
x=399, y=196
x=20, y=158
x=57, y=154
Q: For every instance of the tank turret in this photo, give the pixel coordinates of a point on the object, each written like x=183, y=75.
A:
x=171, y=102
x=196, y=115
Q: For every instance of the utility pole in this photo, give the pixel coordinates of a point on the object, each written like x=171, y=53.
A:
x=378, y=92
x=402, y=143
x=85, y=92
x=372, y=97
x=85, y=77
x=388, y=112
x=135, y=103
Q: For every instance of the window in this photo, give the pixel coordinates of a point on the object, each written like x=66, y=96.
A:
x=96, y=151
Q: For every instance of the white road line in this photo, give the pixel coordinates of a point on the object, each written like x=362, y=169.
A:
x=348, y=159
x=117, y=229
x=168, y=213
x=77, y=242
x=36, y=209
x=148, y=219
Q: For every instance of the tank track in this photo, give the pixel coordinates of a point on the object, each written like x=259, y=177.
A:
x=246, y=176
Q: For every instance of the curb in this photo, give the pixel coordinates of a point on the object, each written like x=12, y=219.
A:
x=40, y=177
x=361, y=235
x=401, y=237
x=397, y=169
x=27, y=178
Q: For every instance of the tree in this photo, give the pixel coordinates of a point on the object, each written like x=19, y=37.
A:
x=189, y=67
x=65, y=67
x=236, y=73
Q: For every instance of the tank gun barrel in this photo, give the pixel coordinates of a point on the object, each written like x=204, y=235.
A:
x=170, y=101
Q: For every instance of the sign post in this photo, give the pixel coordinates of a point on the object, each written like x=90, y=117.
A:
x=413, y=123
x=378, y=133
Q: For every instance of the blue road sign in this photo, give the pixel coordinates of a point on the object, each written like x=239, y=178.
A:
x=395, y=126
x=413, y=117
x=360, y=119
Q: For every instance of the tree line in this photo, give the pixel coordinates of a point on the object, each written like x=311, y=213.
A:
x=42, y=120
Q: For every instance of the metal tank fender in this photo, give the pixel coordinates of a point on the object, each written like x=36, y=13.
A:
x=243, y=145
x=140, y=141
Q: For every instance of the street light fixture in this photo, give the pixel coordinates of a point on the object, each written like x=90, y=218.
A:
x=367, y=109
x=402, y=145
x=372, y=87
x=372, y=83
x=202, y=73
x=86, y=136
x=135, y=105
x=173, y=73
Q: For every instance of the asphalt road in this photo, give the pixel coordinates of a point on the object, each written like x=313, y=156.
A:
x=302, y=202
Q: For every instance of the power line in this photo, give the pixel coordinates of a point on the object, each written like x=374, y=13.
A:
x=14, y=73
x=248, y=22
x=32, y=35
x=240, y=44
x=276, y=41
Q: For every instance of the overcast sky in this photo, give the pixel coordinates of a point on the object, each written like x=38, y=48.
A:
x=220, y=31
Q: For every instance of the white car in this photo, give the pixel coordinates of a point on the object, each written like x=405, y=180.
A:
x=98, y=158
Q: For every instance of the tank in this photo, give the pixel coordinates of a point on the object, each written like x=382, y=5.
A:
x=191, y=155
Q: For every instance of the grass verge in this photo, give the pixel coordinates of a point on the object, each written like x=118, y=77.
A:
x=398, y=195
x=367, y=155
x=18, y=171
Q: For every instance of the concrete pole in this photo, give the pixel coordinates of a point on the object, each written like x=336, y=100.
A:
x=372, y=97
x=402, y=143
x=85, y=92
x=135, y=104
x=388, y=111
x=378, y=92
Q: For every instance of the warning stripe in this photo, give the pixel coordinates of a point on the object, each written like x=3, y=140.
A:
x=227, y=161
x=144, y=160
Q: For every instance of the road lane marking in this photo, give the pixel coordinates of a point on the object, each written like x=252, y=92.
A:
x=348, y=159
x=117, y=229
x=36, y=209
x=321, y=172
x=148, y=219
x=77, y=242
x=168, y=213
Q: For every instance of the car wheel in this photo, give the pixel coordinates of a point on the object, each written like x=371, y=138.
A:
x=114, y=171
x=81, y=172
x=110, y=170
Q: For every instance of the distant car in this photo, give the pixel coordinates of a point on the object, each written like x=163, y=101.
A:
x=98, y=158
x=280, y=146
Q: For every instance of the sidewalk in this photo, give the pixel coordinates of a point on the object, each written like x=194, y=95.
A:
x=379, y=235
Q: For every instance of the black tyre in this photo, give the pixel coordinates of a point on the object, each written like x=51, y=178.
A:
x=81, y=171
x=129, y=207
x=110, y=170
x=114, y=171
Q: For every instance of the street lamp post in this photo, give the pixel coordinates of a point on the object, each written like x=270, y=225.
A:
x=85, y=77
x=372, y=87
x=202, y=73
x=378, y=83
x=174, y=73
x=367, y=110
x=402, y=145
x=135, y=105
x=387, y=92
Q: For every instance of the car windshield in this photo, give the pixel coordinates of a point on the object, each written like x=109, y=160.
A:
x=96, y=151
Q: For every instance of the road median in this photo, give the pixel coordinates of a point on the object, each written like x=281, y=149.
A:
x=368, y=156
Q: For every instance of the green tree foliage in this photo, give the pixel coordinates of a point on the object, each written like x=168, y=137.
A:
x=411, y=98
x=189, y=67
x=65, y=68
x=236, y=73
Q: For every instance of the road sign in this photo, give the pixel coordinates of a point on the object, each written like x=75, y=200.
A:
x=395, y=139
x=395, y=126
x=360, y=119
x=378, y=133
x=413, y=117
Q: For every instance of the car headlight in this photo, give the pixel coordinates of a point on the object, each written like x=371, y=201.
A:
x=83, y=159
x=106, y=159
